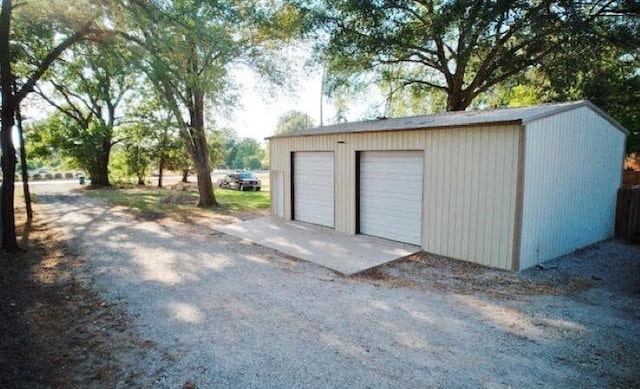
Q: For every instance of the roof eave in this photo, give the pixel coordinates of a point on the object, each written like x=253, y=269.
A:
x=417, y=128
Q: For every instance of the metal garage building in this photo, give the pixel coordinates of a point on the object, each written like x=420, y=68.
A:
x=507, y=188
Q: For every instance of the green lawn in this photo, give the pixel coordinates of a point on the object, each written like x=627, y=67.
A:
x=164, y=202
x=235, y=200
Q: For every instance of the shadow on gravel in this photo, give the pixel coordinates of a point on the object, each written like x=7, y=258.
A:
x=219, y=303
x=55, y=332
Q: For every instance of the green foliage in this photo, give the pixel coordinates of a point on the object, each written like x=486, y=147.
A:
x=60, y=136
x=246, y=153
x=607, y=75
x=293, y=121
x=139, y=149
x=88, y=88
x=118, y=169
x=460, y=48
x=598, y=62
x=192, y=47
x=176, y=157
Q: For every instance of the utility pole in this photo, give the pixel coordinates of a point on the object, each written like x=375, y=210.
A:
x=321, y=96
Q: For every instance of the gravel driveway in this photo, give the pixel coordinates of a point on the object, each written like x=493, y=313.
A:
x=219, y=312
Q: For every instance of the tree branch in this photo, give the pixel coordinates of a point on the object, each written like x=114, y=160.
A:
x=50, y=58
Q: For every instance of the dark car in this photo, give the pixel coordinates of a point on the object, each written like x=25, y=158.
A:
x=241, y=181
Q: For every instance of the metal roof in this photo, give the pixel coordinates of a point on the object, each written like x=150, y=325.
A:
x=520, y=115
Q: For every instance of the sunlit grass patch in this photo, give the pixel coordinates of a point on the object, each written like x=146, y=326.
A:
x=159, y=202
x=235, y=200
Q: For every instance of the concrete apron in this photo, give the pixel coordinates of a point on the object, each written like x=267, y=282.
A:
x=346, y=254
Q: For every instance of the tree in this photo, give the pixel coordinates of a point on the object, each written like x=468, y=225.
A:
x=461, y=48
x=249, y=155
x=192, y=45
x=159, y=134
x=229, y=143
x=88, y=87
x=293, y=121
x=67, y=33
x=599, y=62
x=177, y=158
x=602, y=64
x=64, y=136
x=139, y=148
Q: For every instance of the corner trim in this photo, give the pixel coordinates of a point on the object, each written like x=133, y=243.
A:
x=517, y=225
x=292, y=185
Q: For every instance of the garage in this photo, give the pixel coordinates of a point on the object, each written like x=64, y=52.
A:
x=313, y=187
x=508, y=188
x=390, y=195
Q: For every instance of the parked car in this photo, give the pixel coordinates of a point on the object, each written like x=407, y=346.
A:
x=241, y=181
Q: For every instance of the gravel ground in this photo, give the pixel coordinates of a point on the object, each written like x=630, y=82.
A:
x=214, y=311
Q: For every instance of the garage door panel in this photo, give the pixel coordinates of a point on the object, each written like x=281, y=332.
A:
x=313, y=187
x=391, y=195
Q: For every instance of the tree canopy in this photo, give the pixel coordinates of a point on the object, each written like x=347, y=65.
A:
x=293, y=121
x=191, y=45
x=461, y=48
x=32, y=38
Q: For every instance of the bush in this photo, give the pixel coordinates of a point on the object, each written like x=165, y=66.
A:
x=68, y=175
x=58, y=176
x=48, y=176
x=37, y=177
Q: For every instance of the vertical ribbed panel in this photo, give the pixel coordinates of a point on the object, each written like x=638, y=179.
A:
x=345, y=187
x=470, y=193
x=573, y=164
x=470, y=177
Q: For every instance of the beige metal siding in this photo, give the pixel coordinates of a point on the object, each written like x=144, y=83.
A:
x=470, y=194
x=573, y=164
x=470, y=177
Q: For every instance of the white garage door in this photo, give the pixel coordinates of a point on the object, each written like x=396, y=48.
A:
x=313, y=187
x=391, y=195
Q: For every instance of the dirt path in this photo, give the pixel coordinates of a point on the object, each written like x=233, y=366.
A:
x=207, y=310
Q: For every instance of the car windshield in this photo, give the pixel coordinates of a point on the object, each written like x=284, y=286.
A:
x=245, y=176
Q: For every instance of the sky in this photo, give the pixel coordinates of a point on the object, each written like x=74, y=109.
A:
x=257, y=113
x=258, y=110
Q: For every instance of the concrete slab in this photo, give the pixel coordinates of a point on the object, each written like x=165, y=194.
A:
x=343, y=253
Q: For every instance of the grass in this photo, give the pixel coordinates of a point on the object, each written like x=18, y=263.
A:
x=235, y=200
x=151, y=201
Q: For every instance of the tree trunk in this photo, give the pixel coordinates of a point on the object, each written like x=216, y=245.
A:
x=8, y=158
x=458, y=100
x=9, y=239
x=199, y=150
x=185, y=175
x=205, y=189
x=205, y=186
x=99, y=175
x=160, y=171
x=23, y=165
